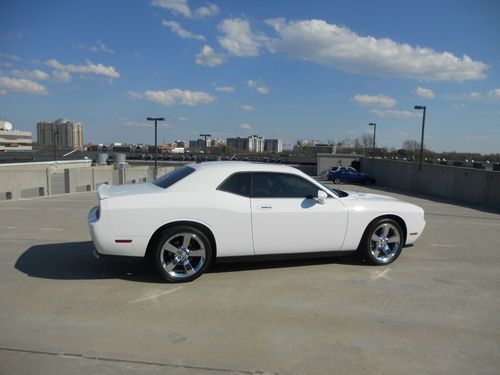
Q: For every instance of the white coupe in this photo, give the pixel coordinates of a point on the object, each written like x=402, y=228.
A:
x=186, y=219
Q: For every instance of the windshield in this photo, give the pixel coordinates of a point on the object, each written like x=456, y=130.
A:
x=171, y=178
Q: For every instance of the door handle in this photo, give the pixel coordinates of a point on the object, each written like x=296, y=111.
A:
x=265, y=206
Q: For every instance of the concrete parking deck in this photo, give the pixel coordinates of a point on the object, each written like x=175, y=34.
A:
x=434, y=311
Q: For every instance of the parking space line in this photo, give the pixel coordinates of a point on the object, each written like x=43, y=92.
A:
x=155, y=295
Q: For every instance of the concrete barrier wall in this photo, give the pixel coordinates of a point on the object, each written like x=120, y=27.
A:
x=24, y=182
x=466, y=185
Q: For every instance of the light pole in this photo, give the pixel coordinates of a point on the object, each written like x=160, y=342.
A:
x=156, y=119
x=422, y=139
x=55, y=133
x=374, y=134
x=205, y=147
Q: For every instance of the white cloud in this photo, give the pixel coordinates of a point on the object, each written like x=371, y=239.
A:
x=247, y=107
x=207, y=11
x=175, y=96
x=239, y=39
x=182, y=7
x=36, y=74
x=392, y=113
x=10, y=57
x=176, y=6
x=226, y=89
x=246, y=126
x=425, y=93
x=475, y=94
x=459, y=106
x=98, y=47
x=261, y=89
x=339, y=47
x=494, y=93
x=207, y=56
x=88, y=68
x=374, y=100
x=182, y=118
x=61, y=76
x=27, y=86
x=183, y=33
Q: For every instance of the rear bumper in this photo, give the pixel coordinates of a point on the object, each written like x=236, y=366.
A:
x=107, y=243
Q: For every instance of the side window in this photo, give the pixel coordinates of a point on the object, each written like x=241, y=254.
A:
x=238, y=183
x=281, y=185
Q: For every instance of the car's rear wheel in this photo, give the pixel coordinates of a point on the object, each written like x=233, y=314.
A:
x=182, y=254
x=382, y=242
x=337, y=180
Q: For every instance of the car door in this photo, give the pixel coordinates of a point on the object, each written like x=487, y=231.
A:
x=286, y=217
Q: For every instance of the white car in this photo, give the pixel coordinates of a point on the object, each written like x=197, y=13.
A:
x=186, y=219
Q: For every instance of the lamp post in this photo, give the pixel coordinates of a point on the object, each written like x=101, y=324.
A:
x=156, y=119
x=205, y=147
x=422, y=139
x=374, y=134
x=55, y=133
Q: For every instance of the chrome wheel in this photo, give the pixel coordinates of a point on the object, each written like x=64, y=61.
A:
x=337, y=180
x=182, y=255
x=385, y=242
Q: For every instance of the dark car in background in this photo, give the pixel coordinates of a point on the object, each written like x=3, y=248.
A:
x=350, y=175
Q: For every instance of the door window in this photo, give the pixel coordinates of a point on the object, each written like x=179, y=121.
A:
x=281, y=185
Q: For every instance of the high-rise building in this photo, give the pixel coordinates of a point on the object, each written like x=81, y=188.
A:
x=199, y=145
x=273, y=145
x=14, y=140
x=67, y=134
x=253, y=143
x=238, y=143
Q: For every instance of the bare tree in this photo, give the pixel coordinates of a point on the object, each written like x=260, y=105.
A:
x=367, y=141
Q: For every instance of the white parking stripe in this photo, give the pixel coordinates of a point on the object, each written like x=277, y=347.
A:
x=154, y=295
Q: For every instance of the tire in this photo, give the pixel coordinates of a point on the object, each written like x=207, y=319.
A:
x=382, y=242
x=182, y=254
x=337, y=180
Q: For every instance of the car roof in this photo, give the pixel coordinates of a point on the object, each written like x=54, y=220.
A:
x=243, y=166
x=211, y=174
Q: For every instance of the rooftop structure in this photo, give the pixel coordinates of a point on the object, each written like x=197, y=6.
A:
x=14, y=140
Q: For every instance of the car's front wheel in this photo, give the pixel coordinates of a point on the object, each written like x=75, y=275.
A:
x=182, y=254
x=382, y=242
x=337, y=180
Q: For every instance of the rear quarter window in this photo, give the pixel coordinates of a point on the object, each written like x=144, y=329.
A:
x=171, y=178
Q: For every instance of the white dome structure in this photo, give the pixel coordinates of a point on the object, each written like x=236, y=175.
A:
x=5, y=125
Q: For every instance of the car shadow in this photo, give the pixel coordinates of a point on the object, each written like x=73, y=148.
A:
x=75, y=261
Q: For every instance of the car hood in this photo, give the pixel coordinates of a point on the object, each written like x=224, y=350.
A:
x=106, y=191
x=358, y=195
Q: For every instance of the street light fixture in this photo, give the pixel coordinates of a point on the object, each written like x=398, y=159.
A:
x=156, y=119
x=374, y=134
x=419, y=107
x=205, y=148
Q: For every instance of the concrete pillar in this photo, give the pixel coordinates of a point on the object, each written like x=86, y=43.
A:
x=122, y=175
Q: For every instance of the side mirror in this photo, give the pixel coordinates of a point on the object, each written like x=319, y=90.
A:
x=322, y=197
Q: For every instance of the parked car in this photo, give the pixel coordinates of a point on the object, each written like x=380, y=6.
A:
x=349, y=174
x=199, y=213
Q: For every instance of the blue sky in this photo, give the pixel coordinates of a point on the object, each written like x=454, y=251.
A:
x=281, y=69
